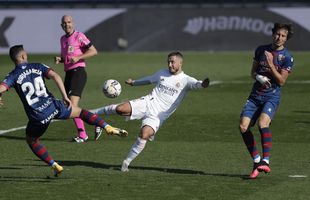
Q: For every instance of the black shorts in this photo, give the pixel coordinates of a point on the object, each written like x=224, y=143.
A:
x=36, y=130
x=75, y=81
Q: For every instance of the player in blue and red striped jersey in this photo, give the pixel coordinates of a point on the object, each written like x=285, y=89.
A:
x=41, y=106
x=271, y=67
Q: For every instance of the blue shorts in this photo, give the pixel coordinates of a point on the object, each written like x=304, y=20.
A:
x=256, y=105
x=57, y=110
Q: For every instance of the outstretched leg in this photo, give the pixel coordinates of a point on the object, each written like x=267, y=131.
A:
x=146, y=133
x=135, y=150
x=123, y=109
x=94, y=119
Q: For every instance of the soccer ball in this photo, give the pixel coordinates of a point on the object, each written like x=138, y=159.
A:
x=111, y=88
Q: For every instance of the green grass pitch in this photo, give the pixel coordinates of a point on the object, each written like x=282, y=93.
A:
x=197, y=154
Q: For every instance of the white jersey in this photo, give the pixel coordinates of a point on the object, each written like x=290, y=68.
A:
x=169, y=91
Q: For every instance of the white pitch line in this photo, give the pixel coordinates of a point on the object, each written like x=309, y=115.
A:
x=2, y=132
x=215, y=82
x=297, y=176
x=249, y=82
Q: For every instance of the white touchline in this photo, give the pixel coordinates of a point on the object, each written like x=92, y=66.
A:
x=2, y=132
x=297, y=176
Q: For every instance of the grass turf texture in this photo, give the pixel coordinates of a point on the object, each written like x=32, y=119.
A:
x=197, y=154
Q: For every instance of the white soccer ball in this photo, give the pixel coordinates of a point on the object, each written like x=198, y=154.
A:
x=111, y=88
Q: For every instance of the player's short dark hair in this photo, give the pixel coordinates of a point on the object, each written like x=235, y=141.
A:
x=175, y=53
x=288, y=27
x=15, y=50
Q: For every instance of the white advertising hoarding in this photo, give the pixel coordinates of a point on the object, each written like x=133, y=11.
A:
x=39, y=30
x=153, y=29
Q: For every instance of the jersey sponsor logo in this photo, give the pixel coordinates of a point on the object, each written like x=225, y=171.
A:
x=44, y=106
x=167, y=90
x=51, y=116
x=178, y=85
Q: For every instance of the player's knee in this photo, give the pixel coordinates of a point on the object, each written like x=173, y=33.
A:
x=119, y=109
x=122, y=109
x=263, y=124
x=243, y=128
x=146, y=133
x=30, y=140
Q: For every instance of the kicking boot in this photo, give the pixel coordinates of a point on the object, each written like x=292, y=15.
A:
x=125, y=166
x=264, y=167
x=115, y=131
x=79, y=139
x=255, y=171
x=57, y=169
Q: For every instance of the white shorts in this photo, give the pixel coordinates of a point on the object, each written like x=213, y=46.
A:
x=140, y=110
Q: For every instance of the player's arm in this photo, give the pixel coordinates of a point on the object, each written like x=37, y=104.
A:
x=265, y=81
x=90, y=52
x=144, y=81
x=254, y=68
x=2, y=90
x=281, y=76
x=54, y=76
x=193, y=83
x=137, y=82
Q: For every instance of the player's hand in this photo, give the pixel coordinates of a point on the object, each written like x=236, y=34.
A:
x=205, y=83
x=129, y=81
x=67, y=102
x=269, y=59
x=1, y=101
x=264, y=80
x=74, y=60
x=57, y=59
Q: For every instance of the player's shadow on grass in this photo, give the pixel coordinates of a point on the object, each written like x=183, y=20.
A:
x=160, y=169
x=20, y=179
x=24, y=179
x=302, y=122
x=23, y=137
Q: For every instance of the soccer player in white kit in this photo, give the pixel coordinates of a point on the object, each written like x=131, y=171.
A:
x=154, y=108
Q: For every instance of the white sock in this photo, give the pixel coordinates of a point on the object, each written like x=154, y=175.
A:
x=257, y=159
x=136, y=149
x=266, y=160
x=107, y=110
